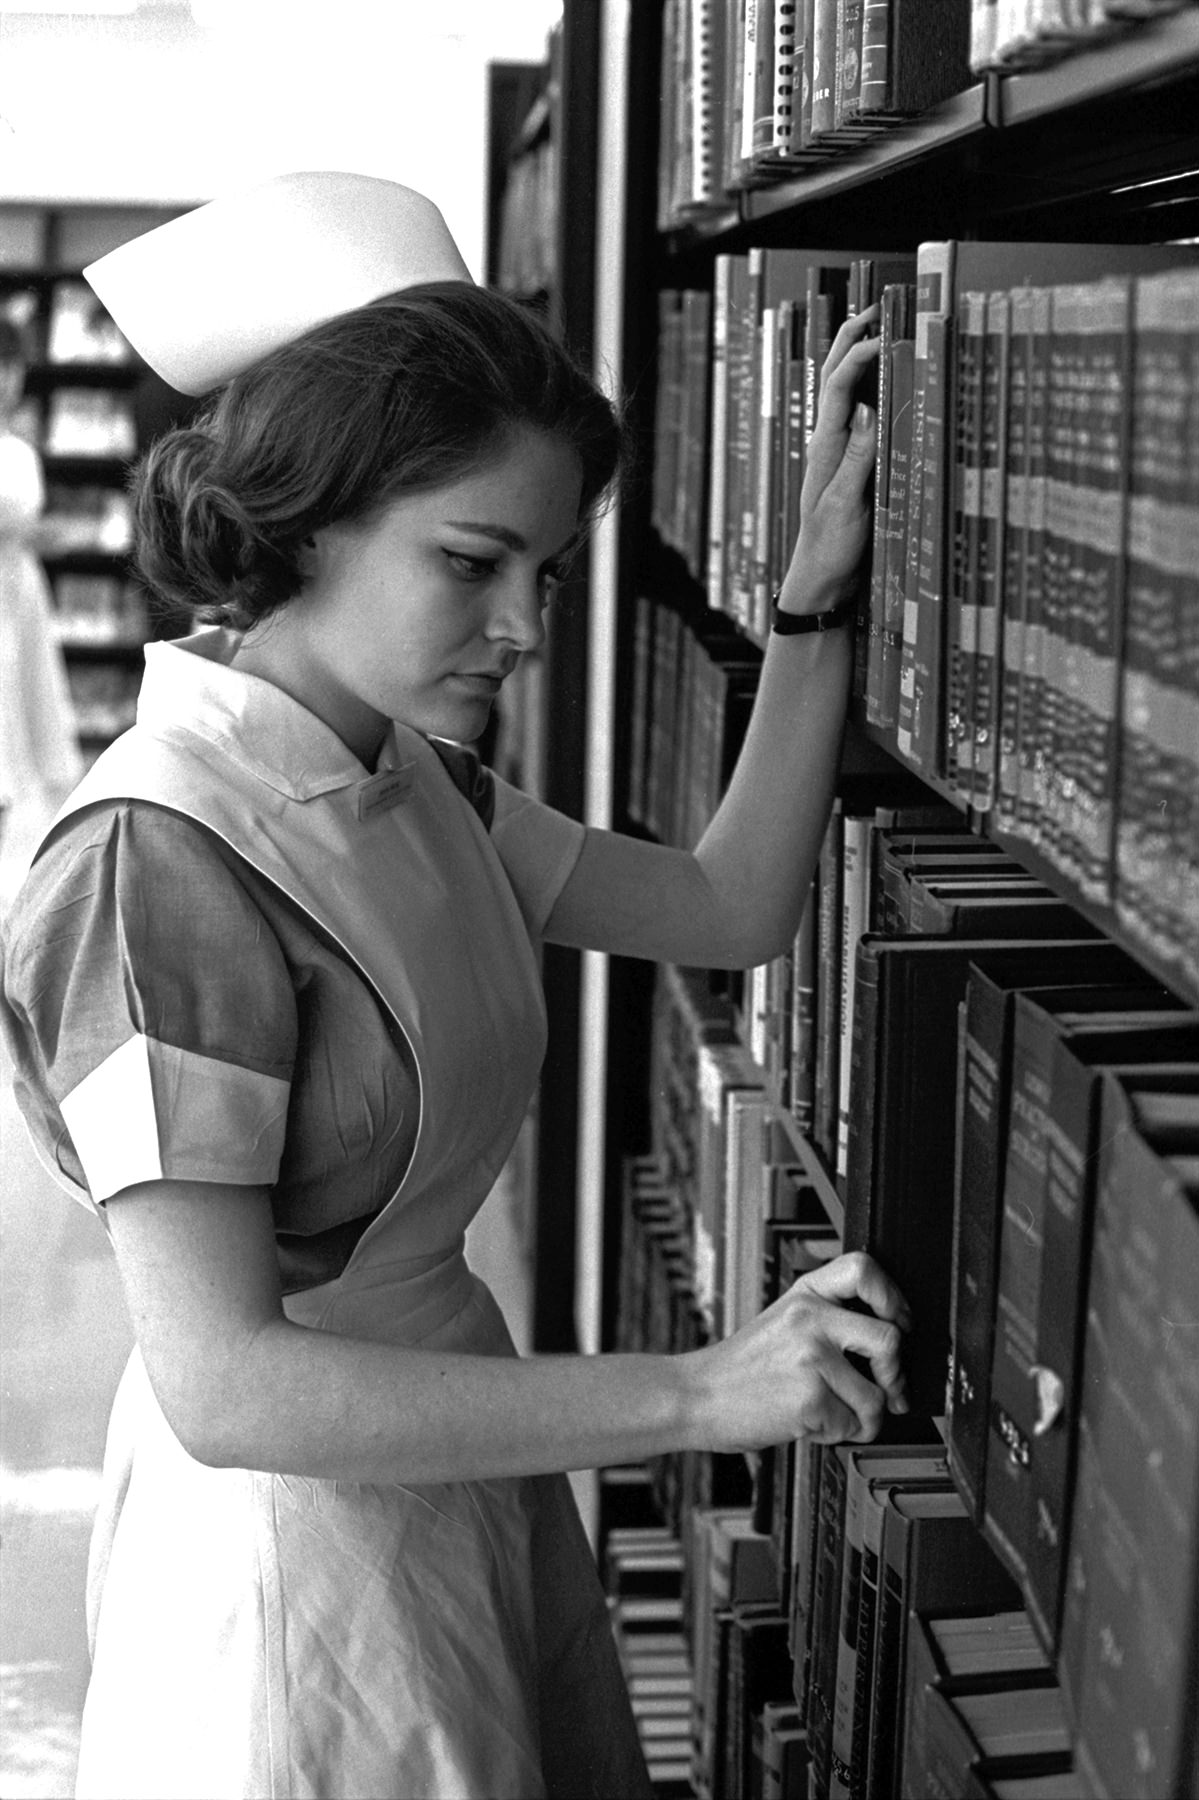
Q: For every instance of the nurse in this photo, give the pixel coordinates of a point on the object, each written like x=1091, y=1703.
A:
x=272, y=990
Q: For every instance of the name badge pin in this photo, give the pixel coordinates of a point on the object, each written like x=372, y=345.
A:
x=385, y=790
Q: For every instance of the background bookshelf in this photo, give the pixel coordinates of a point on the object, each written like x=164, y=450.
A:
x=90, y=408
x=1084, y=140
x=541, y=246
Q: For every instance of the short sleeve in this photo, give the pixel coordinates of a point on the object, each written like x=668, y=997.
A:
x=151, y=1011
x=538, y=848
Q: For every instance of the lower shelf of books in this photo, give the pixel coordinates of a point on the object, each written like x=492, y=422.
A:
x=1000, y=1597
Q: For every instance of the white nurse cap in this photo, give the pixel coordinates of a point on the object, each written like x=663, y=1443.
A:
x=211, y=292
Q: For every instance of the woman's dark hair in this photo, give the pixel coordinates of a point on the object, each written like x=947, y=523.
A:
x=407, y=393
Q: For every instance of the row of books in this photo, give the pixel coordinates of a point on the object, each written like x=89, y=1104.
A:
x=692, y=691
x=88, y=518
x=89, y=422
x=99, y=609
x=1013, y=35
x=1003, y=1092
x=642, y=1567
x=103, y=697
x=1033, y=577
x=848, y=1629
x=527, y=256
x=79, y=330
x=758, y=90
x=1025, y=628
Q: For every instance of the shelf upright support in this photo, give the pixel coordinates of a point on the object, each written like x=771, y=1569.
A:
x=604, y=587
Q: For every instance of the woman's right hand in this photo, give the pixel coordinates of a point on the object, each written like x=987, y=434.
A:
x=787, y=1375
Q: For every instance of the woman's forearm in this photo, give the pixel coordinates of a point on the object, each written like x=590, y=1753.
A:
x=759, y=853
x=315, y=1403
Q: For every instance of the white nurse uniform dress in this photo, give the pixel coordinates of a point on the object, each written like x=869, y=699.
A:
x=242, y=957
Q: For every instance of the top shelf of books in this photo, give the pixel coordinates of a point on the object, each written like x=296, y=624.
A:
x=773, y=108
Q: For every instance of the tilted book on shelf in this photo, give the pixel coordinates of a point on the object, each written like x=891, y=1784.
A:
x=1044, y=1241
x=1129, y=1657
x=1055, y=976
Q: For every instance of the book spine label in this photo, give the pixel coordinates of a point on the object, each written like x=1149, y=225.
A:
x=993, y=446
x=928, y=697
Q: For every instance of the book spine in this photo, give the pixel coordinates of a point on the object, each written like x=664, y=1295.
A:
x=1097, y=620
x=824, y=67
x=803, y=1019
x=876, y=33
x=1015, y=533
x=718, y=449
x=873, y=624
x=788, y=81
x=763, y=572
x=928, y=674
x=993, y=443
x=961, y=623
x=899, y=527
x=846, y=1687
x=934, y=272
x=862, y=1149
x=1128, y=1637
x=1155, y=892
x=1035, y=746
x=1069, y=1195
x=849, y=62
x=982, y=1119
x=1013, y=1411
x=855, y=888
x=828, y=986
x=826, y=1598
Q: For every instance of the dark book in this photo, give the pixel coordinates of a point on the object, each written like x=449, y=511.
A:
x=828, y=986
x=1012, y=1728
x=982, y=1133
x=959, y=908
x=805, y=1538
x=759, y=1672
x=823, y=1619
x=1012, y=559
x=1168, y=1065
x=894, y=432
x=916, y=734
x=933, y=1560
x=1129, y=1659
x=915, y=54
x=961, y=612
x=1158, y=771
x=1022, y=1382
x=964, y=1654
x=899, y=526
x=824, y=69
x=871, y=1473
x=985, y=709
x=899, y=1195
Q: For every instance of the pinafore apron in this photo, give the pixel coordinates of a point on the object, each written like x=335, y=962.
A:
x=266, y=1635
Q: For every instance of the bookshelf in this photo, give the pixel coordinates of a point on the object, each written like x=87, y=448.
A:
x=542, y=247
x=1095, y=147
x=90, y=407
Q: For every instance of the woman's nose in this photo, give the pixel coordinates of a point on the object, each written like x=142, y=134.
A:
x=519, y=614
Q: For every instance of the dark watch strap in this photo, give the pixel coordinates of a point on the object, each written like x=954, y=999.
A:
x=789, y=624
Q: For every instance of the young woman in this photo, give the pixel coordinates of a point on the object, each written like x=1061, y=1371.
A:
x=272, y=988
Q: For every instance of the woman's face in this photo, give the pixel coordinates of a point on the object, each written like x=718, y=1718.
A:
x=421, y=615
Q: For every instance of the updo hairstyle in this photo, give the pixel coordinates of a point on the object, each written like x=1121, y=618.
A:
x=407, y=393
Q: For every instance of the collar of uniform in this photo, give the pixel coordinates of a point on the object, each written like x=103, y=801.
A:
x=191, y=690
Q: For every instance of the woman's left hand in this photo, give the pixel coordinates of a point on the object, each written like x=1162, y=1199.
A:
x=835, y=516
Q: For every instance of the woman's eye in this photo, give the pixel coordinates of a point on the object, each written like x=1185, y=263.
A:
x=471, y=568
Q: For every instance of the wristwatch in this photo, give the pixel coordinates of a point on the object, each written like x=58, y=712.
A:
x=789, y=624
